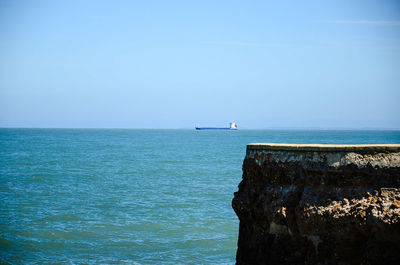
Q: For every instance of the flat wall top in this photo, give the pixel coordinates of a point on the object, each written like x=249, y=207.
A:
x=326, y=147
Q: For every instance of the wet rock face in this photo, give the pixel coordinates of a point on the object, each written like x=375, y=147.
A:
x=319, y=206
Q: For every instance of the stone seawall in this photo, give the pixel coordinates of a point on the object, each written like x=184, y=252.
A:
x=319, y=204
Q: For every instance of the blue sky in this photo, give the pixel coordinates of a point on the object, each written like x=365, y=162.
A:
x=175, y=64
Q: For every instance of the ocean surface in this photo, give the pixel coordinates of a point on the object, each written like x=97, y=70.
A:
x=94, y=196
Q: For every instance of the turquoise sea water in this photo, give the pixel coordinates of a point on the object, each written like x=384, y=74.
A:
x=90, y=196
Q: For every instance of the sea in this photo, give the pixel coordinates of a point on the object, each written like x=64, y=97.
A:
x=130, y=196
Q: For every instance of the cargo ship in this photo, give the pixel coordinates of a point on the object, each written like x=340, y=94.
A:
x=232, y=126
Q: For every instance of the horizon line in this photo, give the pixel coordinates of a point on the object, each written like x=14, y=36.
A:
x=190, y=128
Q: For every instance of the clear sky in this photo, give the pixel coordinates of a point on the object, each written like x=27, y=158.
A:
x=176, y=64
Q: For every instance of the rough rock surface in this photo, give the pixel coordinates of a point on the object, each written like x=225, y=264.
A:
x=319, y=204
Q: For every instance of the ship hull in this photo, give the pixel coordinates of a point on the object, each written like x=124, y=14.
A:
x=211, y=128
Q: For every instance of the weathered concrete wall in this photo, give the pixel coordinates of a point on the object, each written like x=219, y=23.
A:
x=319, y=204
